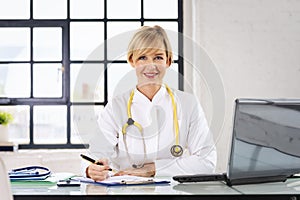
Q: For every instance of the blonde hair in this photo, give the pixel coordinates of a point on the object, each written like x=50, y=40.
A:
x=148, y=39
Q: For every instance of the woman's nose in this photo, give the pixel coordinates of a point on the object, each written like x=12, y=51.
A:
x=151, y=65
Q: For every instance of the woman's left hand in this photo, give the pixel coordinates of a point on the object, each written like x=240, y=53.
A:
x=148, y=170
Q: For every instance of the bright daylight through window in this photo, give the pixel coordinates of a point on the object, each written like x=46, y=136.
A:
x=43, y=45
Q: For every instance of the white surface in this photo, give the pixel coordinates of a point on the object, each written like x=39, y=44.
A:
x=255, y=46
x=5, y=187
x=55, y=160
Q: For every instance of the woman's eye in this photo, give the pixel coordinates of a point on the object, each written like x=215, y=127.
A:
x=159, y=58
x=142, y=58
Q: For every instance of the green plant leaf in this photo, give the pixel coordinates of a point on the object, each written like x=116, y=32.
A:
x=5, y=118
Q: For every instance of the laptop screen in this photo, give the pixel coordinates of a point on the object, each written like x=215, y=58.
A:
x=266, y=139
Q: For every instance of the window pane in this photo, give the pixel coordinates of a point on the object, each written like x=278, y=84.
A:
x=14, y=80
x=87, y=82
x=50, y=124
x=172, y=31
x=18, y=130
x=14, y=44
x=84, y=123
x=120, y=9
x=160, y=9
x=86, y=41
x=49, y=9
x=47, y=44
x=47, y=80
x=15, y=9
x=121, y=77
x=119, y=34
x=87, y=9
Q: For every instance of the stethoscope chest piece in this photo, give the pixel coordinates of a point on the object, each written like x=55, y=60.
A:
x=176, y=150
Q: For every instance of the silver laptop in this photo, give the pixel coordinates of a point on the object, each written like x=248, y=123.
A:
x=265, y=143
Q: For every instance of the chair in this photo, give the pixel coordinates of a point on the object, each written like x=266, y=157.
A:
x=5, y=187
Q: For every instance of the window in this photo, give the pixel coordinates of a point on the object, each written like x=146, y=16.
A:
x=60, y=58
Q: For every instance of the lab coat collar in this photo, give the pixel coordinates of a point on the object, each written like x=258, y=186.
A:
x=140, y=97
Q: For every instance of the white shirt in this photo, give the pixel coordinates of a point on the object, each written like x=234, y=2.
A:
x=156, y=118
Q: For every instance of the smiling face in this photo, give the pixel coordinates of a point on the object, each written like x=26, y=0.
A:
x=150, y=66
x=150, y=53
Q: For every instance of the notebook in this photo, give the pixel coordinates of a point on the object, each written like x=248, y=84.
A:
x=265, y=143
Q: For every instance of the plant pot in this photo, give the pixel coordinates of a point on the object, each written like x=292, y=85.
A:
x=3, y=133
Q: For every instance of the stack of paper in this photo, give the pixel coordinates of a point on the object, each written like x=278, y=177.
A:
x=51, y=180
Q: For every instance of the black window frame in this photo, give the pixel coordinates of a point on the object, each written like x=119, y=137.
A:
x=66, y=62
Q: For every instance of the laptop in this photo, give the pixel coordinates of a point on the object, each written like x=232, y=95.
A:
x=265, y=144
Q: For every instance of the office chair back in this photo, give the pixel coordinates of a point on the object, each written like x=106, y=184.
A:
x=5, y=188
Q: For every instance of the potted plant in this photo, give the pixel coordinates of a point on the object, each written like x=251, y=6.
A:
x=5, y=119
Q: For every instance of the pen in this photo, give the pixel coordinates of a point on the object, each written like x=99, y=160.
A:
x=92, y=160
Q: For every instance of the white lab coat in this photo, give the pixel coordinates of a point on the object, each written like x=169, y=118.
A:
x=156, y=118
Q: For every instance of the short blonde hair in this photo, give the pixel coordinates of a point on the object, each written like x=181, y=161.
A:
x=147, y=39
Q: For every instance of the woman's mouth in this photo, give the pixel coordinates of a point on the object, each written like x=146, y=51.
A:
x=150, y=75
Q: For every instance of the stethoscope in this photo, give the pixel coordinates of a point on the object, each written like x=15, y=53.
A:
x=29, y=173
x=176, y=150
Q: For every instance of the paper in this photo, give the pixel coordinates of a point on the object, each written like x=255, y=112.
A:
x=124, y=180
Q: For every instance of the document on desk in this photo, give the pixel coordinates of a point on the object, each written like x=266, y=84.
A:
x=124, y=180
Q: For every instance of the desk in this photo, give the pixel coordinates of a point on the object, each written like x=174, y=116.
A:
x=205, y=190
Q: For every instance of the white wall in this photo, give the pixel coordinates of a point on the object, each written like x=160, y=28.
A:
x=56, y=160
x=255, y=45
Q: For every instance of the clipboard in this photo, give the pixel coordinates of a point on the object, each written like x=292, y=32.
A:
x=124, y=181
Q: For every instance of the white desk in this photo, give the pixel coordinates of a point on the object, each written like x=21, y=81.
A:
x=291, y=186
x=204, y=190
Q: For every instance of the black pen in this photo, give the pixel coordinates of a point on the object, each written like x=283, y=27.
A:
x=92, y=160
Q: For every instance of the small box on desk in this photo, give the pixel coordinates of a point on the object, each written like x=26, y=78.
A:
x=8, y=146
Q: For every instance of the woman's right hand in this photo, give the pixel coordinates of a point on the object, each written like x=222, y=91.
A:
x=98, y=172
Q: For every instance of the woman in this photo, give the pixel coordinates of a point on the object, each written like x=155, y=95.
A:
x=152, y=129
